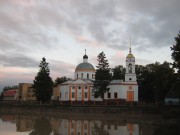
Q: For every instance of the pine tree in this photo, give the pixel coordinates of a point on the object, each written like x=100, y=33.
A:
x=43, y=83
x=102, y=77
x=176, y=53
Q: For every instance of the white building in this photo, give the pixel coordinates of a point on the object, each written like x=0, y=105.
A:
x=80, y=89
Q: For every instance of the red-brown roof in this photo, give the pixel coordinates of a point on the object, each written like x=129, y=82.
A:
x=9, y=93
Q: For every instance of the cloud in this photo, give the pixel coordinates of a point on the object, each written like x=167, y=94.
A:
x=60, y=68
x=17, y=60
x=109, y=23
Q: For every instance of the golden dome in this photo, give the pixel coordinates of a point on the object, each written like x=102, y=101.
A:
x=130, y=56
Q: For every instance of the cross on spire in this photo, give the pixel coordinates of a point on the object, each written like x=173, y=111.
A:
x=130, y=46
x=85, y=51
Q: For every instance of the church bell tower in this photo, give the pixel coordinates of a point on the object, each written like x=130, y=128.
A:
x=130, y=75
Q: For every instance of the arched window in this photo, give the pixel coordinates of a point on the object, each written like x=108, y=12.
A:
x=77, y=76
x=130, y=68
x=82, y=75
x=87, y=76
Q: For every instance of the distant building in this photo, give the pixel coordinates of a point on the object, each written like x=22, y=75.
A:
x=56, y=93
x=11, y=94
x=171, y=98
x=25, y=92
x=80, y=89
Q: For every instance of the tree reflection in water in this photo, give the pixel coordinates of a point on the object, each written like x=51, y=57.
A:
x=41, y=126
x=99, y=130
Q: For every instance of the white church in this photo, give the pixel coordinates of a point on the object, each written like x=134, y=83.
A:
x=80, y=89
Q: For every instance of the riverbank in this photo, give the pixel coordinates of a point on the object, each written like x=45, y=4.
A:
x=167, y=112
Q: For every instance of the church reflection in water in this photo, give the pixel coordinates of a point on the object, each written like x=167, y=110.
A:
x=71, y=126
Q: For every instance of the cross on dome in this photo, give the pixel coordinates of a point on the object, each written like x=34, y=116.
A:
x=85, y=56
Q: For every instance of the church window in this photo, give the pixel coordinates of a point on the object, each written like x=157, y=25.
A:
x=60, y=94
x=82, y=75
x=85, y=87
x=72, y=125
x=72, y=94
x=85, y=126
x=66, y=95
x=87, y=76
x=109, y=95
x=77, y=76
x=85, y=95
x=115, y=95
x=79, y=87
x=130, y=79
x=130, y=68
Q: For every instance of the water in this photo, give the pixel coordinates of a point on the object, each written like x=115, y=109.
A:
x=82, y=124
x=72, y=124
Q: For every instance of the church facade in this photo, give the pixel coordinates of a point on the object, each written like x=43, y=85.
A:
x=80, y=89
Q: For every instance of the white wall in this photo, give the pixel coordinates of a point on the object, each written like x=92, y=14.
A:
x=120, y=89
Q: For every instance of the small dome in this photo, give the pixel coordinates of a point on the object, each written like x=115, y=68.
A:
x=85, y=66
x=85, y=57
x=130, y=56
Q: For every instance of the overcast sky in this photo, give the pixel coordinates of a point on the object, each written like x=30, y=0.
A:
x=60, y=31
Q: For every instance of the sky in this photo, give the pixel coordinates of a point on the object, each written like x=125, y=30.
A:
x=61, y=30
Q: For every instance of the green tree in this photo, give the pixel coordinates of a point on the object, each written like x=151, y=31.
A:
x=60, y=80
x=176, y=53
x=154, y=80
x=118, y=72
x=102, y=76
x=163, y=80
x=176, y=64
x=43, y=83
x=144, y=80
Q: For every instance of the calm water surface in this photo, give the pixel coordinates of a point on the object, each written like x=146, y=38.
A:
x=59, y=125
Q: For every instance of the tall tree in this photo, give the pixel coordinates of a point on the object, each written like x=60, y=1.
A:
x=118, y=72
x=176, y=53
x=176, y=64
x=43, y=83
x=102, y=76
x=154, y=80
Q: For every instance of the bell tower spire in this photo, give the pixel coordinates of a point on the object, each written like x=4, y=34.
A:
x=130, y=46
x=130, y=75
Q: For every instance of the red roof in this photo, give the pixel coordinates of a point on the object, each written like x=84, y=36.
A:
x=9, y=93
